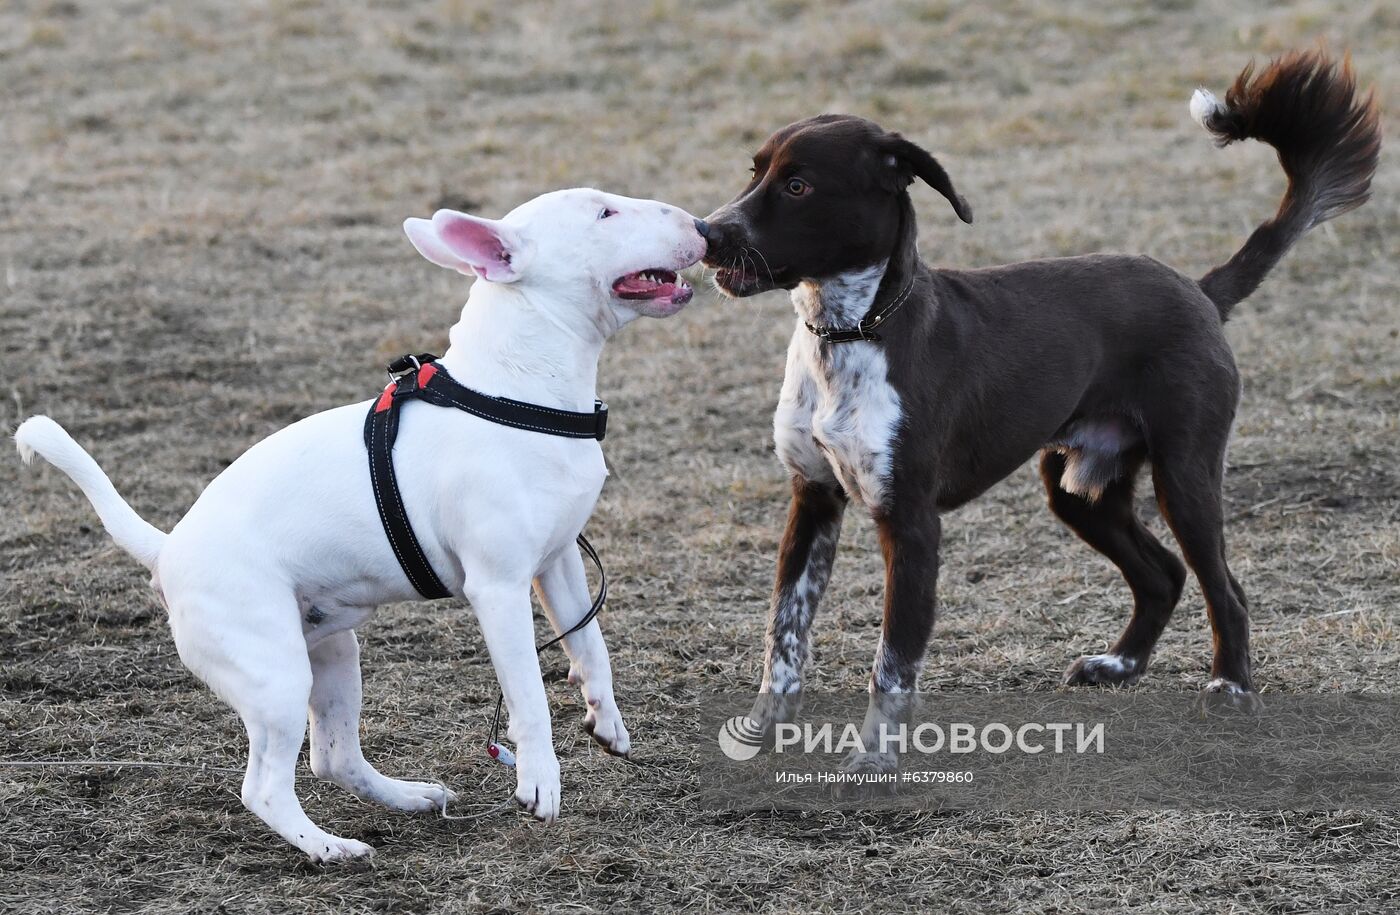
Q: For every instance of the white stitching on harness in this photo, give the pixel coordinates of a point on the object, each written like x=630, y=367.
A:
x=537, y=407
x=506, y=422
x=403, y=509
x=379, y=499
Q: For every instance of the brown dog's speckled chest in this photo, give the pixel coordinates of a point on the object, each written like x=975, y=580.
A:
x=838, y=415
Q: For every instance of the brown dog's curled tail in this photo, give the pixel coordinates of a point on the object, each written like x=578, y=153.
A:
x=1305, y=105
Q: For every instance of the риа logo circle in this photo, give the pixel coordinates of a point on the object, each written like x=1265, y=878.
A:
x=741, y=738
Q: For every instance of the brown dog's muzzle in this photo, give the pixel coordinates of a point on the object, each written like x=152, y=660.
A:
x=740, y=268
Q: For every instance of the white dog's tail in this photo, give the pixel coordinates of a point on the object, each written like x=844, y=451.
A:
x=41, y=435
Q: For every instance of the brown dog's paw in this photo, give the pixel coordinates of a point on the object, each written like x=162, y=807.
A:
x=1104, y=670
x=1227, y=696
x=866, y=776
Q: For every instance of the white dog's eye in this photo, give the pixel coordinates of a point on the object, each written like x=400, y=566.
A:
x=604, y=213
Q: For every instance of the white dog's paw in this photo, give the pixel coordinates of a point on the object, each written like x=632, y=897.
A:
x=537, y=787
x=413, y=796
x=329, y=849
x=604, y=723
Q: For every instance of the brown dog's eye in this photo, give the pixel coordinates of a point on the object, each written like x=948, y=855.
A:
x=797, y=187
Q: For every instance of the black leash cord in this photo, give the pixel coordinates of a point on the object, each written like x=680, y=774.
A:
x=494, y=747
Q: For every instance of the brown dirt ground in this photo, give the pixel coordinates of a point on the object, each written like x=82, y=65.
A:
x=199, y=240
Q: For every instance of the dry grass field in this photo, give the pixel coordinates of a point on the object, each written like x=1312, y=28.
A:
x=199, y=242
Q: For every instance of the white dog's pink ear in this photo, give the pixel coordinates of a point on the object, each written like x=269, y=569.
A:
x=425, y=238
x=492, y=249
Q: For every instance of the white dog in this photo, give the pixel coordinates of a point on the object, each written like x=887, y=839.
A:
x=283, y=555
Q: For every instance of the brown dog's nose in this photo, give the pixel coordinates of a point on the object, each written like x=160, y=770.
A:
x=703, y=228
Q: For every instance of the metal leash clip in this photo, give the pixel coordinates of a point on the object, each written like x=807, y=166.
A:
x=408, y=363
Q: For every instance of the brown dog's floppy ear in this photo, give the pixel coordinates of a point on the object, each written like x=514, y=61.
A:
x=914, y=160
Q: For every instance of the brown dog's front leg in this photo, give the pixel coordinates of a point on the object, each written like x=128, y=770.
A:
x=909, y=537
x=804, y=567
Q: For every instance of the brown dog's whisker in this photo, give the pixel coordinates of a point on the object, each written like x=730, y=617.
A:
x=771, y=280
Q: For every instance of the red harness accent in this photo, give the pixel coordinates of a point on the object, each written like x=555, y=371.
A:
x=386, y=400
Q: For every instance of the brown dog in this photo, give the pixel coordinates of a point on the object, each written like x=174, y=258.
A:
x=913, y=390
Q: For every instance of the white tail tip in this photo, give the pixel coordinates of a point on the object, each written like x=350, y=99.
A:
x=1204, y=106
x=41, y=435
x=35, y=429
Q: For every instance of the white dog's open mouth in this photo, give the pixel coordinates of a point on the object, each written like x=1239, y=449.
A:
x=653, y=285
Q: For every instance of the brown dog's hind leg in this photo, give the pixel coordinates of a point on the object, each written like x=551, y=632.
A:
x=1110, y=525
x=1189, y=494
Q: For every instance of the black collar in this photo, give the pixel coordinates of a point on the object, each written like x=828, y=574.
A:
x=865, y=330
x=902, y=267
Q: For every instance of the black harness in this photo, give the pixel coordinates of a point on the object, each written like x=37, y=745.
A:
x=421, y=378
